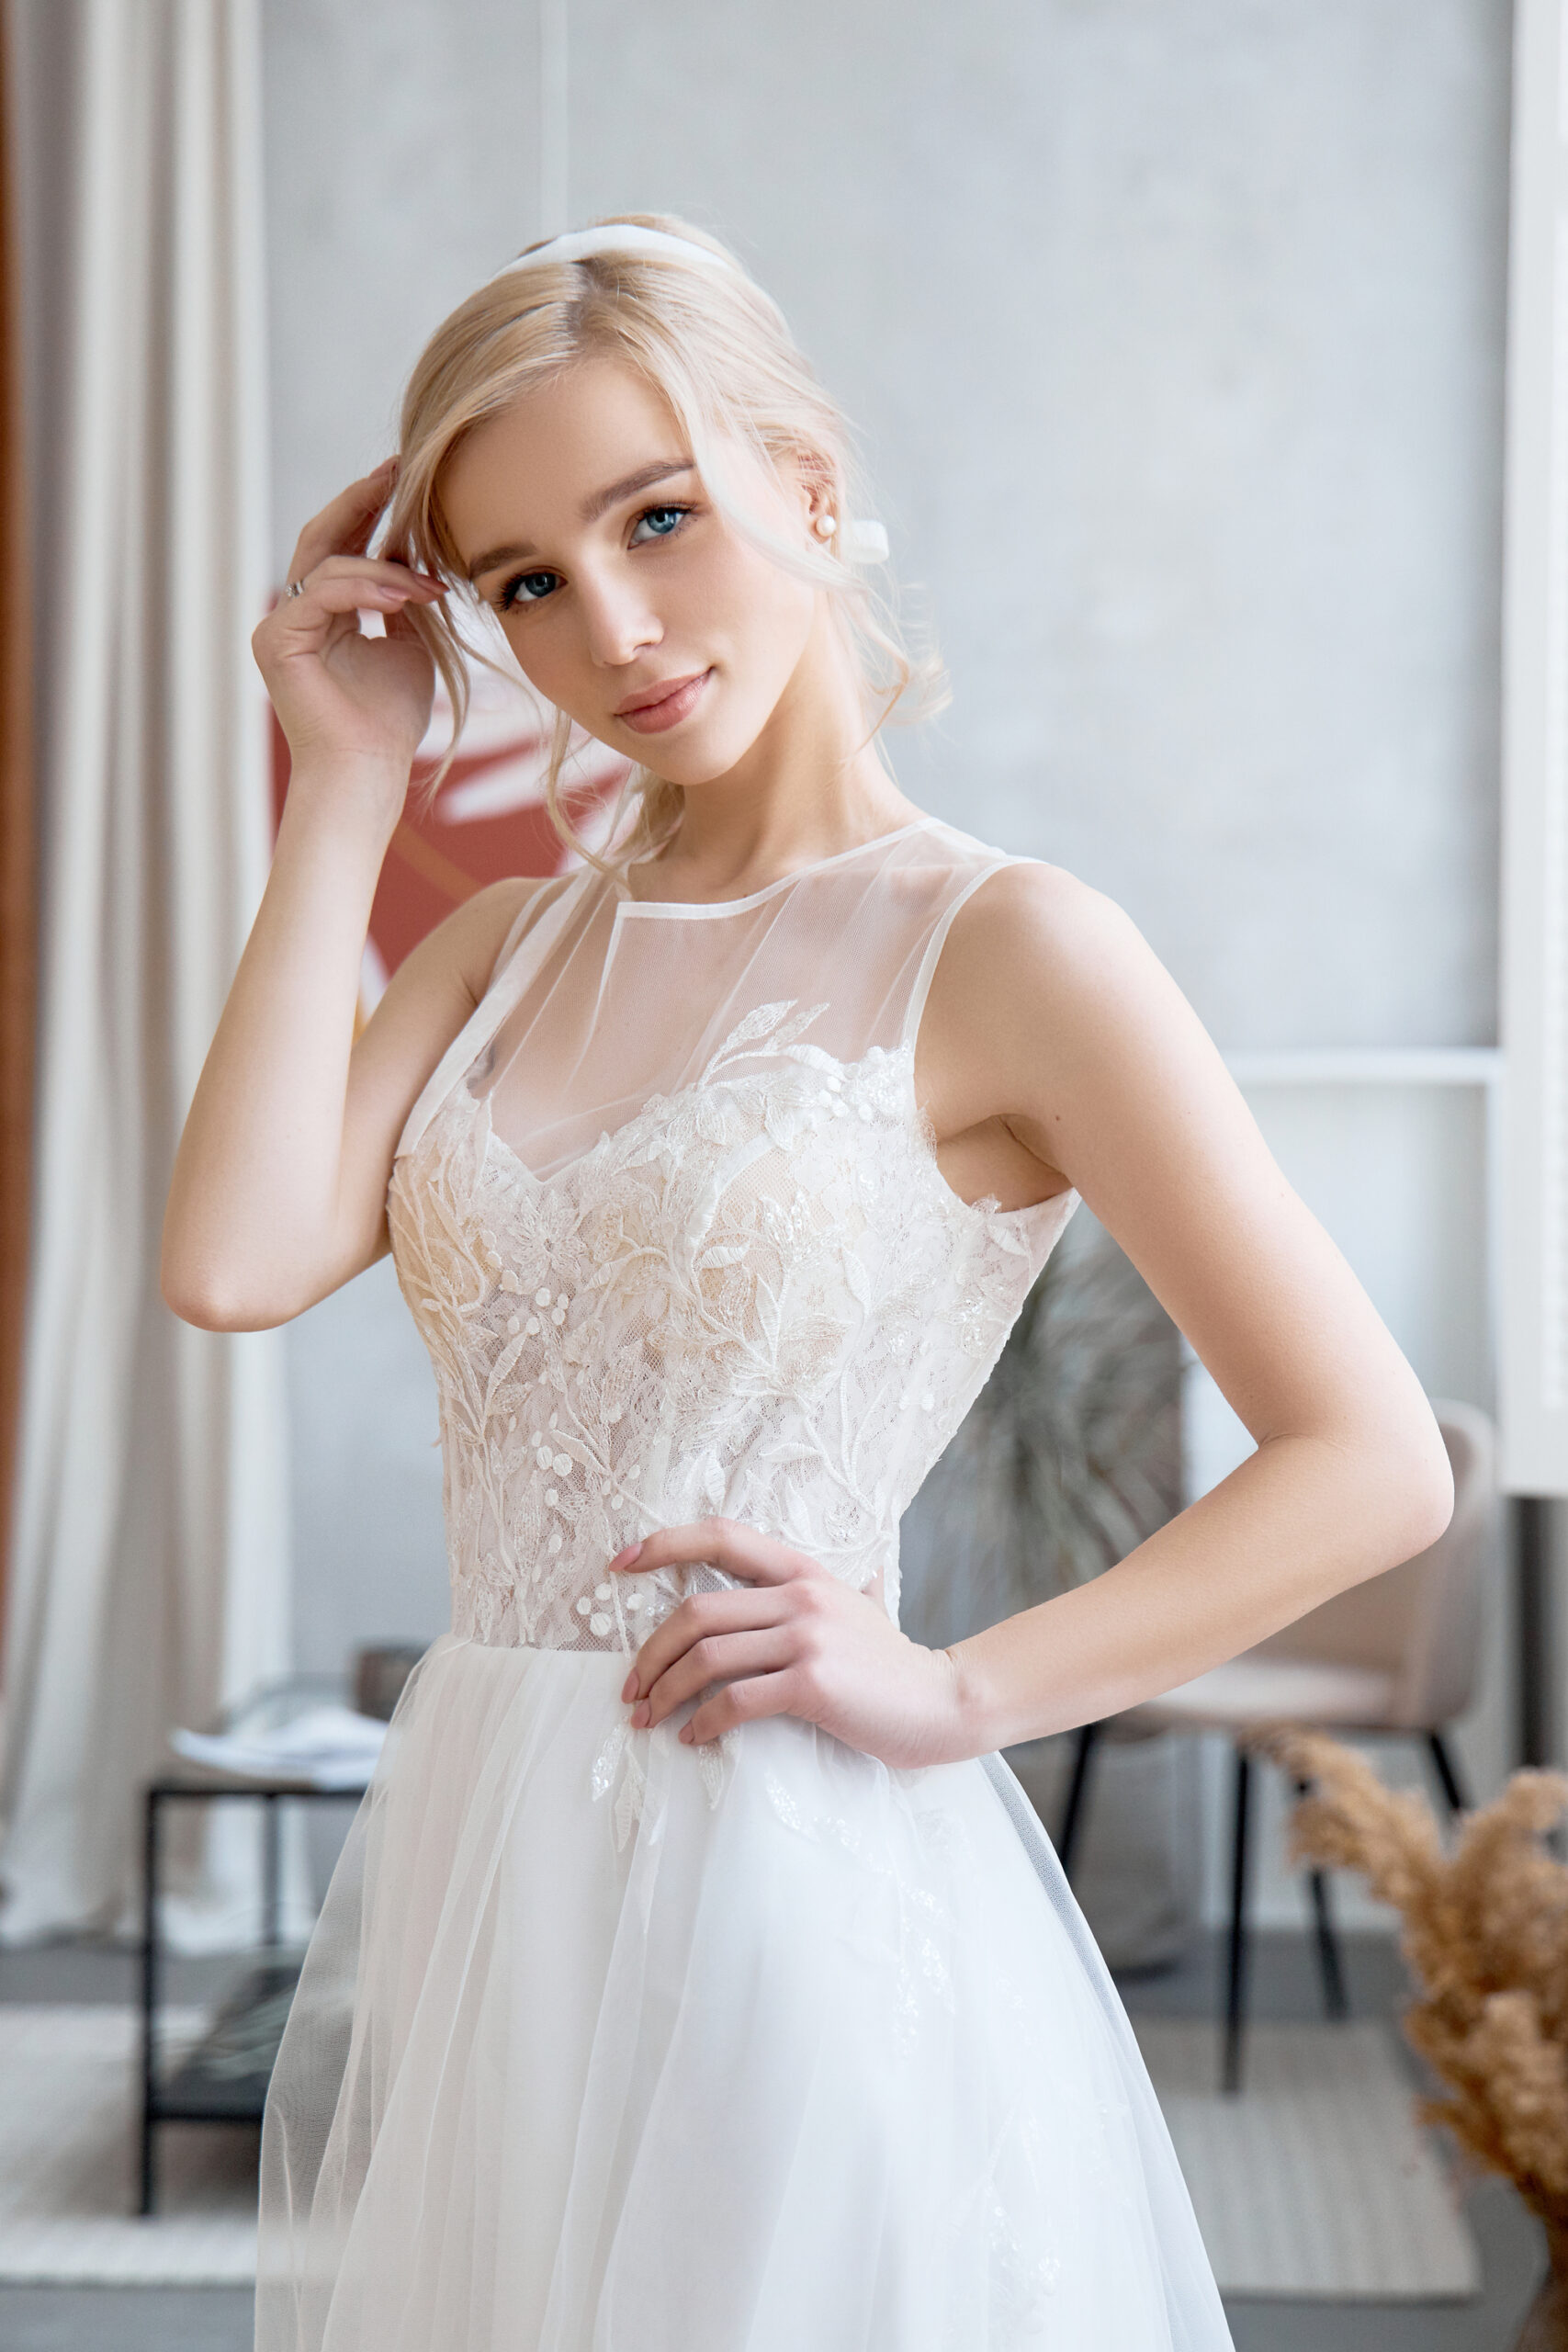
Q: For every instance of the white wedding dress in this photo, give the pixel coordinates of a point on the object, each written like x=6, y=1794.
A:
x=605, y=2043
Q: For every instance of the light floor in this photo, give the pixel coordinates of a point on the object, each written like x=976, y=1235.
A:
x=208, y=2319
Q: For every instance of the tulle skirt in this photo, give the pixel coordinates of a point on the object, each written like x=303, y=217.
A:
x=605, y=2045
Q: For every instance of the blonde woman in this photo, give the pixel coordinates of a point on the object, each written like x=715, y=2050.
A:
x=695, y=1974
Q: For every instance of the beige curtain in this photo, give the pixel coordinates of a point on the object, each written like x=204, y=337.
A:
x=19, y=883
x=150, y=1572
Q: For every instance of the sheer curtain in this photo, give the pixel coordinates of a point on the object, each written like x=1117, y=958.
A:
x=18, y=908
x=150, y=1572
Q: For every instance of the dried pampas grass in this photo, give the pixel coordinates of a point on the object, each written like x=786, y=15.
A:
x=1485, y=1928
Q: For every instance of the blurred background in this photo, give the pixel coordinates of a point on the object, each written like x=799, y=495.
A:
x=1177, y=334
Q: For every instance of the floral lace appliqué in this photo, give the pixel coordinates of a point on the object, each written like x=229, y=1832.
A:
x=757, y=1298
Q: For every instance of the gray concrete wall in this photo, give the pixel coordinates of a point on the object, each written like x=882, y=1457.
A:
x=1174, y=331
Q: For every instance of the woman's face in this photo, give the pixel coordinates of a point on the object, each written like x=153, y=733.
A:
x=627, y=597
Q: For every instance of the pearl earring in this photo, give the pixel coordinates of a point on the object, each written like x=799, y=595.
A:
x=825, y=525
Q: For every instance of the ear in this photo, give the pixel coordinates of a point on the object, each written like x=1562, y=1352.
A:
x=818, y=490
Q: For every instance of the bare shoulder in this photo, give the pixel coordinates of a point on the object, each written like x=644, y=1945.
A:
x=470, y=938
x=1050, y=1016
x=1037, y=960
x=432, y=994
x=449, y=972
x=1037, y=925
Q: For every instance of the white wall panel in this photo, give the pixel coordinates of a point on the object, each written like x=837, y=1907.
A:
x=1535, y=799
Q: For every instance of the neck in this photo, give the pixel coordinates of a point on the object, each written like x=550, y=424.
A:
x=809, y=787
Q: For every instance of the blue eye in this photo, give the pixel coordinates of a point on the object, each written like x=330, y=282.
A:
x=527, y=588
x=536, y=587
x=661, y=521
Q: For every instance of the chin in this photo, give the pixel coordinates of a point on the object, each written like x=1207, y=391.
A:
x=706, y=756
x=692, y=774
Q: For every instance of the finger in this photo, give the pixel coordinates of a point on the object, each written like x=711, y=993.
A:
x=715, y=1658
x=370, y=567
x=719, y=1543
x=398, y=624
x=741, y=1702
x=347, y=522
x=345, y=526
x=299, y=622
x=380, y=485
x=696, y=1619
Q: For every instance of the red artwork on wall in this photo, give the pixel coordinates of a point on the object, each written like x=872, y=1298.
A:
x=489, y=818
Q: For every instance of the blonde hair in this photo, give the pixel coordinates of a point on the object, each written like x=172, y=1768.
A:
x=719, y=352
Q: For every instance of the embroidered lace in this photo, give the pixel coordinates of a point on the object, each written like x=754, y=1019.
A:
x=754, y=1294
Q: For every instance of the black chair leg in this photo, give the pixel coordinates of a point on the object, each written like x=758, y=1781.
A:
x=1330, y=1966
x=150, y=1995
x=1235, y=1984
x=1072, y=1818
x=1448, y=1777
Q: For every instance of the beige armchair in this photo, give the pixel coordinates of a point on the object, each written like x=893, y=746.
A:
x=1396, y=1655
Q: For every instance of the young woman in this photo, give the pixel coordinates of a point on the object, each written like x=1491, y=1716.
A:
x=697, y=1974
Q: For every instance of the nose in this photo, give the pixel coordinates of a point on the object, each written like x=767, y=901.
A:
x=621, y=624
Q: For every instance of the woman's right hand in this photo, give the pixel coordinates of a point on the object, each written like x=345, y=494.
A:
x=280, y=1186
x=354, y=708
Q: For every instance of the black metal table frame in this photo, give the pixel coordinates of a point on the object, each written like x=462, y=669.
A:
x=270, y=1794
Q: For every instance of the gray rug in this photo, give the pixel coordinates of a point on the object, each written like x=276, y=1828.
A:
x=69, y=2112
x=1316, y=2181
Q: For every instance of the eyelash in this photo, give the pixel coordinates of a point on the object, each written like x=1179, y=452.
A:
x=507, y=599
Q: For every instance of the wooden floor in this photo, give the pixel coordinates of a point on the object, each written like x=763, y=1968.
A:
x=195, y=2319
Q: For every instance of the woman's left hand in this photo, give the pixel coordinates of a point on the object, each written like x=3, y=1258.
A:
x=792, y=1641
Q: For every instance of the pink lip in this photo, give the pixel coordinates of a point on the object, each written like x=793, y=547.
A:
x=664, y=705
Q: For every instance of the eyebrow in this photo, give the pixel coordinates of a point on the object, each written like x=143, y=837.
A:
x=662, y=469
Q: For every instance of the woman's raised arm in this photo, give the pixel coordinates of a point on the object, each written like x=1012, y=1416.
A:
x=279, y=1183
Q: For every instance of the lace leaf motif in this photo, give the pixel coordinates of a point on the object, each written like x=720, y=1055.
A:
x=769, y=1021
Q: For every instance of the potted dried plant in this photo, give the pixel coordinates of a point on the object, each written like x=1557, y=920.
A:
x=1485, y=1928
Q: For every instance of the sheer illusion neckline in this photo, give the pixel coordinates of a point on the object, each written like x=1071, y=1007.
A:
x=700, y=908
x=987, y=1210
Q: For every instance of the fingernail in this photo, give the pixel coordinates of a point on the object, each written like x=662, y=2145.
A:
x=628, y=1688
x=686, y=1734
x=640, y=1714
x=624, y=1559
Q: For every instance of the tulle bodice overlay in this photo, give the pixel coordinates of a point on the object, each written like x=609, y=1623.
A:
x=671, y=1221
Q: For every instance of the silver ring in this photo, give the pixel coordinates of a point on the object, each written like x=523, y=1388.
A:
x=295, y=588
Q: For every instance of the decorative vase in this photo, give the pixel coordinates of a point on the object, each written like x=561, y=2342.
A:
x=1546, y=2322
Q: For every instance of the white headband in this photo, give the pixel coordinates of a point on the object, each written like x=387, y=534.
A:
x=859, y=542
x=621, y=237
